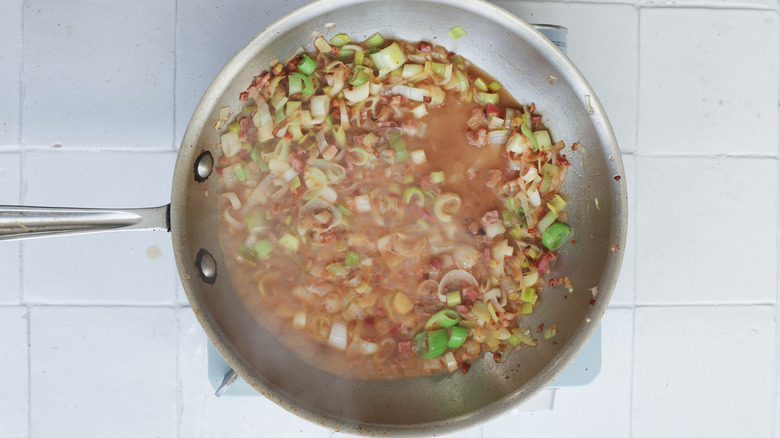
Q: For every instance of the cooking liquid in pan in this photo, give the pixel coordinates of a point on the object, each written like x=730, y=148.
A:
x=351, y=284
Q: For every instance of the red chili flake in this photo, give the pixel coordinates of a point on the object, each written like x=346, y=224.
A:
x=617, y=177
x=555, y=342
x=464, y=366
x=592, y=302
x=497, y=356
x=573, y=242
x=540, y=327
x=243, y=97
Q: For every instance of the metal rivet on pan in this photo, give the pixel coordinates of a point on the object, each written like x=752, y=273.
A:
x=207, y=266
x=203, y=166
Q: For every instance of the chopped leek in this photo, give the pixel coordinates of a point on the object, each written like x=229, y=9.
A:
x=375, y=40
x=338, y=269
x=555, y=236
x=456, y=32
x=550, y=331
x=352, y=259
x=530, y=136
x=480, y=84
x=340, y=39
x=414, y=194
x=543, y=139
x=398, y=145
x=359, y=76
x=389, y=58
x=494, y=86
x=443, y=318
x=438, y=177
x=528, y=295
x=289, y=241
x=308, y=88
x=557, y=205
x=527, y=309
x=457, y=337
x=488, y=98
x=263, y=248
x=437, y=343
x=453, y=298
x=307, y=65
x=546, y=221
x=418, y=156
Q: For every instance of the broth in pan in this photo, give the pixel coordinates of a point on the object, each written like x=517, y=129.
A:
x=388, y=210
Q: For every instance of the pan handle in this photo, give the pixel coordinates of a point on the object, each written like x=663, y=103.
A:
x=18, y=222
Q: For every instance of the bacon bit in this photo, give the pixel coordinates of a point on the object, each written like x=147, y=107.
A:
x=494, y=177
x=424, y=47
x=296, y=162
x=462, y=309
x=404, y=347
x=369, y=321
x=471, y=294
x=473, y=228
x=327, y=237
x=426, y=184
x=535, y=120
x=243, y=97
x=573, y=242
x=492, y=109
x=330, y=152
x=464, y=366
x=489, y=218
x=617, y=177
x=243, y=128
x=592, y=302
x=544, y=261
x=479, y=139
x=497, y=356
x=540, y=327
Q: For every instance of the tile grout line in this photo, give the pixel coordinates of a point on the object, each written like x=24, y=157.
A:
x=707, y=5
x=177, y=305
x=776, y=359
x=637, y=176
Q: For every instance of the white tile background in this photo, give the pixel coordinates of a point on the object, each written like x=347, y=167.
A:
x=98, y=340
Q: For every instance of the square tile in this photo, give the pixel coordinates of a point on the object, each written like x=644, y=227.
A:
x=704, y=371
x=10, y=70
x=613, y=73
x=10, y=277
x=103, y=371
x=689, y=210
x=99, y=74
x=133, y=267
x=626, y=285
x=602, y=408
x=14, y=387
x=209, y=34
x=205, y=415
x=709, y=81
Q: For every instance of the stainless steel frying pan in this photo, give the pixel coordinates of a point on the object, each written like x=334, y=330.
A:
x=533, y=70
